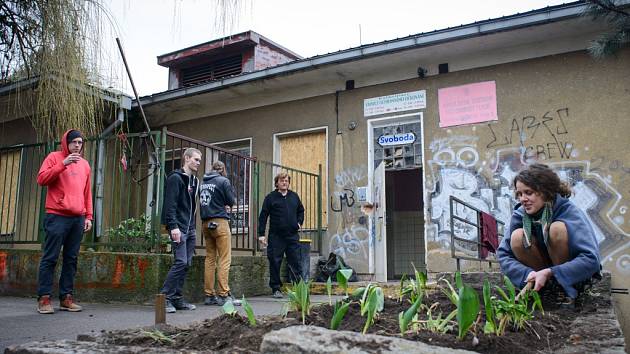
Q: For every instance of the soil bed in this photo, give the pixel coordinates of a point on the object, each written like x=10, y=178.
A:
x=544, y=333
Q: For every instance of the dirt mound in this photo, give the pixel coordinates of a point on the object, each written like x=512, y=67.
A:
x=545, y=333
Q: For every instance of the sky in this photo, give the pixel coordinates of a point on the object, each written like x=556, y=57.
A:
x=148, y=28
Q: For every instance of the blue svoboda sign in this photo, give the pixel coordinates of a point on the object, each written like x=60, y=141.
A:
x=396, y=139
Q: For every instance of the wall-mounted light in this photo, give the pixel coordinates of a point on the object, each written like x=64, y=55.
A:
x=422, y=72
x=352, y=125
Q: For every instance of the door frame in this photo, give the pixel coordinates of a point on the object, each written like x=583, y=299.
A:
x=417, y=117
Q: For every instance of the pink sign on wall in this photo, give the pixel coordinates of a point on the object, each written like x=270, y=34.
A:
x=468, y=104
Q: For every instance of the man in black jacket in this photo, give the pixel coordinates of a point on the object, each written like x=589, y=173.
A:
x=286, y=215
x=178, y=214
x=216, y=197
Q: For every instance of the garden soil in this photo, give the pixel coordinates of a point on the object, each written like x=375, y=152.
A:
x=233, y=334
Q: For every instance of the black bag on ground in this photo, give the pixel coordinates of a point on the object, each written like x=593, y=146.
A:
x=329, y=267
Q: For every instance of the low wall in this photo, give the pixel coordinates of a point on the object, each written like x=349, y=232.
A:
x=127, y=277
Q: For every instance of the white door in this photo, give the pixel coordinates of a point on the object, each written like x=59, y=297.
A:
x=379, y=224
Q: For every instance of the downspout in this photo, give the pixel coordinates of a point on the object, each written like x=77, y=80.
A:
x=100, y=165
x=337, y=110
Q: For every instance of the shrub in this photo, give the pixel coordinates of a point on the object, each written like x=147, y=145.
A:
x=134, y=235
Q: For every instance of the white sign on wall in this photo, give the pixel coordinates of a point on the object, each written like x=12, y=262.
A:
x=405, y=101
x=397, y=139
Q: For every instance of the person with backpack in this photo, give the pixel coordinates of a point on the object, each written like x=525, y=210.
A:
x=216, y=198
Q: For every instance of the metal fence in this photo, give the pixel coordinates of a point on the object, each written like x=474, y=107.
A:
x=128, y=187
x=466, y=233
x=123, y=189
x=307, y=185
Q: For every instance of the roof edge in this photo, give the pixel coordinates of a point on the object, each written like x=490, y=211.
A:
x=544, y=15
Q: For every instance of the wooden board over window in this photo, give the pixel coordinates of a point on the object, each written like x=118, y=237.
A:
x=9, y=182
x=306, y=152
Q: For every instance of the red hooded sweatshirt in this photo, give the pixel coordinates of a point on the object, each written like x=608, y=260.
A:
x=69, y=190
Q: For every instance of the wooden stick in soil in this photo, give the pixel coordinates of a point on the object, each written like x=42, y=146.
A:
x=160, y=309
x=529, y=285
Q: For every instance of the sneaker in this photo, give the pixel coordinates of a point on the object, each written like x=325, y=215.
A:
x=169, y=307
x=229, y=297
x=277, y=294
x=68, y=304
x=44, y=305
x=210, y=300
x=181, y=304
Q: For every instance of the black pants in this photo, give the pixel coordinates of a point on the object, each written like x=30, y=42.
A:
x=277, y=248
x=66, y=231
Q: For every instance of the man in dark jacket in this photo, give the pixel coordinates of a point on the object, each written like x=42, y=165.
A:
x=286, y=215
x=216, y=196
x=178, y=214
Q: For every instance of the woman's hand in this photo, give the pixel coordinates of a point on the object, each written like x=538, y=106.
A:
x=539, y=278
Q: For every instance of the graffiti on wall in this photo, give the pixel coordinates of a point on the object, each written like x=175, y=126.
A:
x=350, y=238
x=549, y=131
x=482, y=177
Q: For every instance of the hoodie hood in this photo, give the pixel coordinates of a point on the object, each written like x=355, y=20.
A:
x=64, y=143
x=212, y=174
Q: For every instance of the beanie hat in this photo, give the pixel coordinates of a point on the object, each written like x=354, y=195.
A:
x=73, y=134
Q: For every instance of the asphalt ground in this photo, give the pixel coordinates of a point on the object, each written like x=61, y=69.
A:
x=21, y=323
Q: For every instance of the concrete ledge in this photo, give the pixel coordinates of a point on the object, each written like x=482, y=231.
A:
x=318, y=340
x=77, y=347
x=127, y=277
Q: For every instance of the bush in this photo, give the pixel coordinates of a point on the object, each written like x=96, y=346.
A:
x=135, y=235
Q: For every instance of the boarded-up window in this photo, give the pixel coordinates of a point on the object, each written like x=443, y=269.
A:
x=306, y=152
x=9, y=182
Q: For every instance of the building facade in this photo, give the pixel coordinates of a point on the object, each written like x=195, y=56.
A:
x=401, y=126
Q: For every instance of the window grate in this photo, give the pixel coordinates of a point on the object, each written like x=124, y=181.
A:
x=212, y=71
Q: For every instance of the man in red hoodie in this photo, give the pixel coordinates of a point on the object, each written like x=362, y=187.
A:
x=68, y=215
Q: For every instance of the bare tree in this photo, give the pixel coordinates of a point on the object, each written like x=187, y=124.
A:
x=59, y=42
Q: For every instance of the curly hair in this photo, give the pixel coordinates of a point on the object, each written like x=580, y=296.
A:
x=543, y=180
x=281, y=175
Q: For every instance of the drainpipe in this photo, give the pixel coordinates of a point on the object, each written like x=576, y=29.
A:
x=100, y=165
x=337, y=110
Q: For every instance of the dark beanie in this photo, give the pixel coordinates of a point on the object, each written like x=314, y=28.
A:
x=73, y=134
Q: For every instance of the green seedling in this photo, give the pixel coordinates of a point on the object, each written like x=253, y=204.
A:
x=511, y=311
x=371, y=303
x=467, y=306
x=249, y=311
x=439, y=324
x=415, y=288
x=491, y=323
x=357, y=294
x=300, y=298
x=449, y=291
x=342, y=279
x=458, y=280
x=401, y=289
x=158, y=336
x=229, y=309
x=407, y=317
x=340, y=311
x=329, y=290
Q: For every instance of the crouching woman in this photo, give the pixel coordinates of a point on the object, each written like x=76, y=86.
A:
x=549, y=239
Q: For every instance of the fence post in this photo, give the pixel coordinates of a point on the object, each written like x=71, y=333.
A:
x=319, y=209
x=48, y=148
x=162, y=140
x=255, y=199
